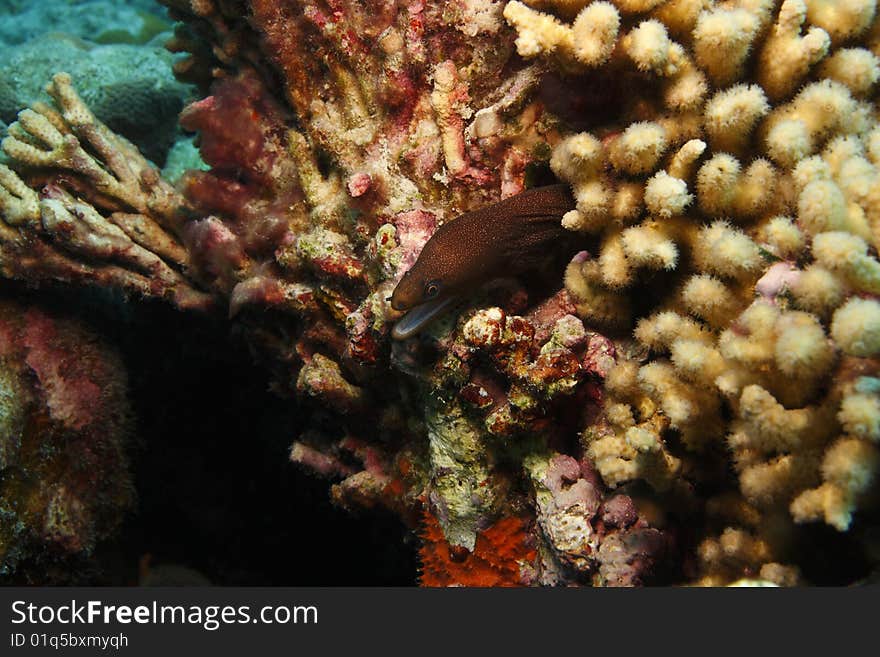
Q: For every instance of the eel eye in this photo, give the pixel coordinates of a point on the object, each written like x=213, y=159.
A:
x=432, y=289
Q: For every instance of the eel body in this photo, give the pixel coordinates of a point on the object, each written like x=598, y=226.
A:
x=500, y=239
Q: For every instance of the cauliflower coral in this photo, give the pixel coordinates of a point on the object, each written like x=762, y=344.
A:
x=746, y=179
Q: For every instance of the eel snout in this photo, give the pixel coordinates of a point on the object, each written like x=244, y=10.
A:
x=420, y=316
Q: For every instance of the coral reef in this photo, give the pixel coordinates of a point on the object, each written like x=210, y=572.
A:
x=64, y=424
x=745, y=180
x=698, y=388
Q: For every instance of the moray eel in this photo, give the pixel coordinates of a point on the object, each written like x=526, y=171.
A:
x=500, y=239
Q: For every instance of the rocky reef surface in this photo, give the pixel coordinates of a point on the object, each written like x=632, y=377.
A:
x=686, y=404
x=64, y=433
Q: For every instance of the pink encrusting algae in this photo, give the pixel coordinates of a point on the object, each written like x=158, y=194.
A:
x=64, y=431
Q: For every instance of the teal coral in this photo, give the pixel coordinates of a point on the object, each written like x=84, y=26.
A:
x=127, y=86
x=101, y=21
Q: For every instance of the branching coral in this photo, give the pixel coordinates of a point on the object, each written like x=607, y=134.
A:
x=759, y=194
x=709, y=369
x=408, y=116
x=83, y=169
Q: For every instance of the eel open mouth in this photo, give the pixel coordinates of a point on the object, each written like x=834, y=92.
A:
x=420, y=316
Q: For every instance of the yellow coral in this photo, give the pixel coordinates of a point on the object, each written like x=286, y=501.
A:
x=709, y=299
x=860, y=415
x=787, y=56
x=537, y=32
x=848, y=468
x=857, y=68
x=783, y=237
x=847, y=254
x=595, y=33
x=666, y=195
x=756, y=141
x=723, y=40
x=856, y=327
x=723, y=189
x=732, y=114
x=697, y=361
x=802, y=350
x=639, y=148
x=726, y=251
x=651, y=49
x=842, y=19
x=818, y=290
x=587, y=42
x=19, y=204
x=646, y=246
